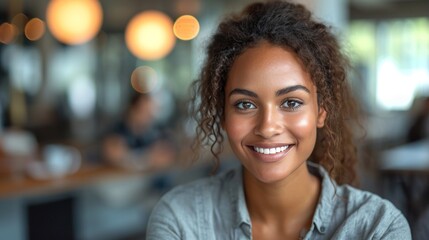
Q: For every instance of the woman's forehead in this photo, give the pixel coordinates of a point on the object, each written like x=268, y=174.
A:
x=266, y=62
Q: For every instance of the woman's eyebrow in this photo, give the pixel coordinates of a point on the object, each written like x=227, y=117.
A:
x=243, y=92
x=291, y=89
x=278, y=92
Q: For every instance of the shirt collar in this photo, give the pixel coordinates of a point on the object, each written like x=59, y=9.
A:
x=238, y=201
x=324, y=209
x=325, y=206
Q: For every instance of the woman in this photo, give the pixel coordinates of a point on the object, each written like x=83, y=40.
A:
x=275, y=82
x=136, y=142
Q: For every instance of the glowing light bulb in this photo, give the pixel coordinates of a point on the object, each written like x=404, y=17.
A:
x=8, y=33
x=149, y=35
x=34, y=29
x=74, y=21
x=144, y=79
x=186, y=27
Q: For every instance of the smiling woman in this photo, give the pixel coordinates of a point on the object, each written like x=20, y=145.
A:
x=275, y=83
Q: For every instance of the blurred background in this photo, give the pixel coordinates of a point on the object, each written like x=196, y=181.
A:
x=93, y=107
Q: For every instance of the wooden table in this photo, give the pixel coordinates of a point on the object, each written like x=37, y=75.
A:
x=87, y=175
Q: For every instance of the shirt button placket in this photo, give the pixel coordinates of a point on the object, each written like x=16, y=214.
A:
x=247, y=231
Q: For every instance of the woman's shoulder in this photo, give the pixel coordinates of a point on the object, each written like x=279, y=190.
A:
x=363, y=199
x=375, y=214
x=349, y=200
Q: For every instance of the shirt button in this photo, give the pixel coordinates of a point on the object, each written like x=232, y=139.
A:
x=322, y=229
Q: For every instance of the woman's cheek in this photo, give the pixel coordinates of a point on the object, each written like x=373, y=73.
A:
x=235, y=127
x=303, y=125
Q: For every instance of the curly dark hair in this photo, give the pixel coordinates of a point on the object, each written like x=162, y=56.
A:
x=290, y=26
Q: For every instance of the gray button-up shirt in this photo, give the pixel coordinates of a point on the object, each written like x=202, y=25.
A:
x=215, y=208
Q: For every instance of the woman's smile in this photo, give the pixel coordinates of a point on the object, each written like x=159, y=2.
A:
x=270, y=153
x=270, y=150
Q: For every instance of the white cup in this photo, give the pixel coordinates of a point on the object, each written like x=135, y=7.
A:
x=61, y=160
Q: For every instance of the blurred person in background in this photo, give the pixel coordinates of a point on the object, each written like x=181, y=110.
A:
x=275, y=85
x=136, y=142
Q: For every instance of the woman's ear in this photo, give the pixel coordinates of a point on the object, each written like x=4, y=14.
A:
x=321, y=117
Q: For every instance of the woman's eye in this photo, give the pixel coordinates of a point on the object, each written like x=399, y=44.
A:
x=291, y=104
x=244, y=105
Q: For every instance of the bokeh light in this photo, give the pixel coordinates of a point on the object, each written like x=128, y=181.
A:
x=74, y=21
x=34, y=29
x=82, y=96
x=186, y=27
x=19, y=20
x=149, y=35
x=8, y=33
x=144, y=79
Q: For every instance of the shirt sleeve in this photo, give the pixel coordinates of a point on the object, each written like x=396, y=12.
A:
x=398, y=229
x=163, y=223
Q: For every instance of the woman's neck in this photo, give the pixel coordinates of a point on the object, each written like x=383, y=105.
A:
x=292, y=201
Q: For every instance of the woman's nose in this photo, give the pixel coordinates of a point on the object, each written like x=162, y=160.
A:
x=270, y=123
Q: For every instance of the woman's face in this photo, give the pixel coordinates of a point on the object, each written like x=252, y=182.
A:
x=271, y=112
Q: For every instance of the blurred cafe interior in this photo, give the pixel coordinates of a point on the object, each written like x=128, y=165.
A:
x=72, y=71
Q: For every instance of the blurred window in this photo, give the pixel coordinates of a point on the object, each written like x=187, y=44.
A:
x=392, y=60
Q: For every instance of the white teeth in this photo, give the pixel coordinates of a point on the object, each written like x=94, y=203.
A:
x=270, y=150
